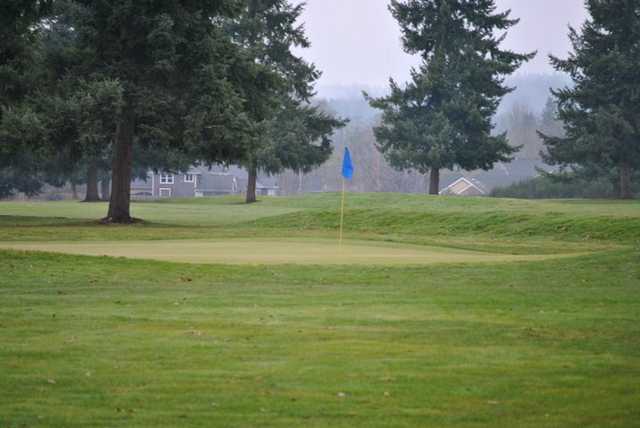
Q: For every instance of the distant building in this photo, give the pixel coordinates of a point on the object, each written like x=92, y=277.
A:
x=267, y=186
x=200, y=182
x=464, y=187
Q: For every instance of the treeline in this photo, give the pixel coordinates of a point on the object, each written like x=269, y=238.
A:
x=93, y=89
x=598, y=152
x=442, y=118
x=563, y=187
x=522, y=126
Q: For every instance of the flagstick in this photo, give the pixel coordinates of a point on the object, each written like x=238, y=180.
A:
x=342, y=212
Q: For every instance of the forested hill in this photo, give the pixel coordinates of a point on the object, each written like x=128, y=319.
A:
x=532, y=92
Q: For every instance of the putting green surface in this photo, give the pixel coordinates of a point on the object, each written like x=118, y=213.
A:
x=274, y=251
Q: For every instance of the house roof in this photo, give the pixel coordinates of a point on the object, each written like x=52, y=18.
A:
x=462, y=186
x=218, y=169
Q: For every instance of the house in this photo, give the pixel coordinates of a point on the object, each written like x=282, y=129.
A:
x=216, y=184
x=464, y=187
x=267, y=186
x=164, y=185
x=199, y=182
x=141, y=188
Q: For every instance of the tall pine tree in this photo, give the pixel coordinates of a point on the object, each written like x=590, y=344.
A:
x=21, y=128
x=600, y=112
x=170, y=58
x=442, y=117
x=284, y=132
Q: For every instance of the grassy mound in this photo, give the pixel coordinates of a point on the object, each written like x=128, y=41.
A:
x=402, y=218
x=497, y=224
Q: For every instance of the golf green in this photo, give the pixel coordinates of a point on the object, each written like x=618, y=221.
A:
x=273, y=251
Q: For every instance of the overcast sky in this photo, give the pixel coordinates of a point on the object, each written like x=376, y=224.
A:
x=358, y=42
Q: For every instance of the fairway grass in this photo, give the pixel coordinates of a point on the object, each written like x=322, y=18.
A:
x=437, y=312
x=226, y=211
x=271, y=251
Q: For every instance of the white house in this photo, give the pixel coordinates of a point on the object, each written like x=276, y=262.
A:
x=464, y=187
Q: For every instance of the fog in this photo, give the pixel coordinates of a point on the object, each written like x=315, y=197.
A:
x=357, y=42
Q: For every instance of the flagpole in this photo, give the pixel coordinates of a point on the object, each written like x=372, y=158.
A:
x=341, y=213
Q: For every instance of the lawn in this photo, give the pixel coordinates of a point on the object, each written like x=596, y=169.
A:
x=527, y=315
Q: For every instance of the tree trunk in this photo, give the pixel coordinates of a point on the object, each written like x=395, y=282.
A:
x=300, y=183
x=251, y=185
x=625, y=182
x=434, y=182
x=74, y=191
x=121, y=170
x=92, y=183
x=105, y=189
x=378, y=168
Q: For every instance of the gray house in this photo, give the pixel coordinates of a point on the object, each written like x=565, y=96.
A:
x=199, y=182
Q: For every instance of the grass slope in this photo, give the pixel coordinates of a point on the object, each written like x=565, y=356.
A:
x=371, y=215
x=95, y=341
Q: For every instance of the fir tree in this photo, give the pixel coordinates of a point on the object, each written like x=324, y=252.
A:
x=600, y=111
x=21, y=128
x=171, y=60
x=442, y=117
x=83, y=106
x=284, y=132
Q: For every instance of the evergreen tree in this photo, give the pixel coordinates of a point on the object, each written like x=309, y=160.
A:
x=600, y=111
x=83, y=105
x=98, y=104
x=80, y=112
x=442, y=117
x=284, y=132
x=297, y=139
x=170, y=59
x=18, y=47
x=21, y=129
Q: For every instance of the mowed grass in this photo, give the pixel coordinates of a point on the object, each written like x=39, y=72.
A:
x=100, y=341
x=230, y=211
x=271, y=251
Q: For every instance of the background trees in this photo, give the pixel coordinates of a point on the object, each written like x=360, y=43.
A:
x=442, y=118
x=600, y=111
x=91, y=88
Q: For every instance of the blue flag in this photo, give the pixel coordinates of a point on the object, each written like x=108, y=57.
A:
x=347, y=165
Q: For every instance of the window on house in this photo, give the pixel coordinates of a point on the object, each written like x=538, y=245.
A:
x=189, y=178
x=165, y=192
x=167, y=179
